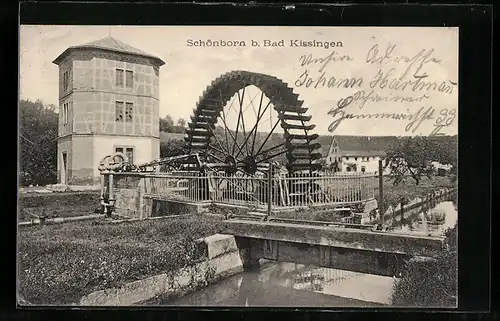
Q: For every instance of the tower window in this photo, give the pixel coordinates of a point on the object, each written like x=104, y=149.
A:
x=128, y=151
x=124, y=111
x=128, y=111
x=65, y=114
x=119, y=77
x=124, y=78
x=66, y=80
x=119, y=111
x=129, y=81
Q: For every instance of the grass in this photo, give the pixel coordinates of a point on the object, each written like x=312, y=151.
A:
x=58, y=264
x=58, y=204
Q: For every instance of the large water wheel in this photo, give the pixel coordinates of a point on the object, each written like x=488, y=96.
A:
x=234, y=127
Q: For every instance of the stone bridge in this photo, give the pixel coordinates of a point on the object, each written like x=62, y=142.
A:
x=352, y=249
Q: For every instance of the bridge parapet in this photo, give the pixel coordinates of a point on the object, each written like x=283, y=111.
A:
x=378, y=253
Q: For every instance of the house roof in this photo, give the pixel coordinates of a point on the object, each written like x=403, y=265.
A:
x=110, y=44
x=364, y=145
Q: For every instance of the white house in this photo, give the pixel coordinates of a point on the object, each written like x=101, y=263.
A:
x=358, y=153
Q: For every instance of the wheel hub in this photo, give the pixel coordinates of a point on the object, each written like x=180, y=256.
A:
x=250, y=166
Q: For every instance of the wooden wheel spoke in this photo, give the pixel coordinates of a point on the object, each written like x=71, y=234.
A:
x=270, y=149
x=228, y=131
x=240, y=100
x=251, y=104
x=258, y=119
x=269, y=135
x=231, y=103
x=254, y=129
x=273, y=156
x=217, y=150
x=217, y=158
x=215, y=136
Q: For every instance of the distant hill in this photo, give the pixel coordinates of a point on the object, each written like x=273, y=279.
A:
x=324, y=140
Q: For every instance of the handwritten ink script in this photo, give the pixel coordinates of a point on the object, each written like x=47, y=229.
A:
x=417, y=62
x=444, y=118
x=405, y=80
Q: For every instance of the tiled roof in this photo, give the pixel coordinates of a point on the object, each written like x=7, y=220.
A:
x=362, y=153
x=111, y=44
x=364, y=145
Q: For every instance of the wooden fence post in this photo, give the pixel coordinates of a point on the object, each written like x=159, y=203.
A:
x=402, y=212
x=269, y=189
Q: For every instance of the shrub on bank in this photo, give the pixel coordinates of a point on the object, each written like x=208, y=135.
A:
x=59, y=264
x=430, y=283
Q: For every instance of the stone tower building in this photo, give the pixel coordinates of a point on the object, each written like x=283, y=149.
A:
x=109, y=102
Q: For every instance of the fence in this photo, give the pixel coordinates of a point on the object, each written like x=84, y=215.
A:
x=282, y=190
x=405, y=210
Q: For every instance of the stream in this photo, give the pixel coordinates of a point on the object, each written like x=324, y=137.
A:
x=296, y=285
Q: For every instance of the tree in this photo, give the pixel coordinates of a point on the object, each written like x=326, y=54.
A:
x=447, y=153
x=412, y=156
x=181, y=122
x=38, y=130
x=166, y=124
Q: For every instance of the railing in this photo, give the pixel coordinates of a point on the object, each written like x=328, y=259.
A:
x=327, y=188
x=283, y=190
x=186, y=186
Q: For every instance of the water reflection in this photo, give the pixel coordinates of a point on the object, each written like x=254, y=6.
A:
x=293, y=285
x=434, y=221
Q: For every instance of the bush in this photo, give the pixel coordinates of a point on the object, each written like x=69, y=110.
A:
x=59, y=264
x=430, y=283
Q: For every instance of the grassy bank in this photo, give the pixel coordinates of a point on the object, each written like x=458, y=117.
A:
x=430, y=284
x=60, y=204
x=409, y=190
x=58, y=264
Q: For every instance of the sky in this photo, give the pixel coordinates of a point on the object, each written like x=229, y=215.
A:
x=188, y=70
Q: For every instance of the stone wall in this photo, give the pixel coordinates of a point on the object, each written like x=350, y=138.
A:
x=131, y=199
x=128, y=190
